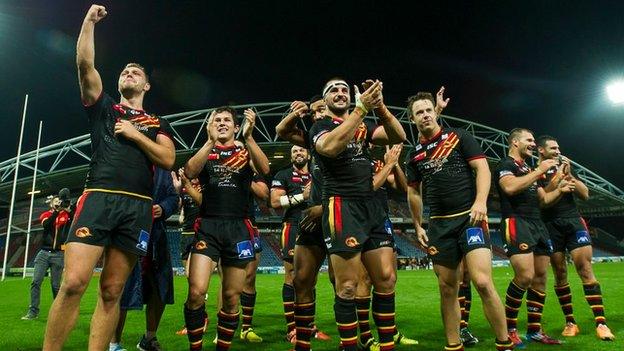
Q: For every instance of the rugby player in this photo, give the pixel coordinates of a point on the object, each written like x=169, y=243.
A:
x=114, y=215
x=225, y=234
x=353, y=226
x=527, y=242
x=442, y=163
x=568, y=231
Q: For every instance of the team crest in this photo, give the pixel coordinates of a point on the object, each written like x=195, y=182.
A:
x=523, y=246
x=83, y=232
x=351, y=242
x=200, y=245
x=432, y=251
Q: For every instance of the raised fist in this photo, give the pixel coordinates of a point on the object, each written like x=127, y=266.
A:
x=95, y=13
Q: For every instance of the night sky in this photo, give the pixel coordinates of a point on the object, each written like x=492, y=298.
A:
x=541, y=65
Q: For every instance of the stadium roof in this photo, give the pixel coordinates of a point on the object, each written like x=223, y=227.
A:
x=64, y=164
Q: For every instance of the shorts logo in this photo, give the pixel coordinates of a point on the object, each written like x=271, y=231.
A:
x=291, y=252
x=200, y=245
x=143, y=240
x=523, y=246
x=83, y=232
x=351, y=242
x=385, y=243
x=582, y=237
x=256, y=242
x=245, y=249
x=388, y=226
x=474, y=236
x=432, y=250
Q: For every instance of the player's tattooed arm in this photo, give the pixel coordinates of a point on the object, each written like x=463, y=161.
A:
x=88, y=77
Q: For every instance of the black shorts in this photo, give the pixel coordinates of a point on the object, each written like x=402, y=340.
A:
x=289, y=237
x=355, y=225
x=450, y=238
x=230, y=240
x=186, y=244
x=119, y=220
x=311, y=238
x=568, y=233
x=525, y=235
x=257, y=243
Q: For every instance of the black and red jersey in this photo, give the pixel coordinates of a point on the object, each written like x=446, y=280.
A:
x=118, y=164
x=441, y=165
x=292, y=181
x=55, y=228
x=348, y=175
x=565, y=207
x=523, y=204
x=226, y=182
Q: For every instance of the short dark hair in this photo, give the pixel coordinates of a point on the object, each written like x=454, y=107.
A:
x=137, y=65
x=514, y=133
x=229, y=110
x=421, y=95
x=315, y=98
x=542, y=139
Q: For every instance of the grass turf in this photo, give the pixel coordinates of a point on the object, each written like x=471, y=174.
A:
x=417, y=306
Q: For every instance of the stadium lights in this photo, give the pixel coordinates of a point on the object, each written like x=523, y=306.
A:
x=615, y=92
x=34, y=192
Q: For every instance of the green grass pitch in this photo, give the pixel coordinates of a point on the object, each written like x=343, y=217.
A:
x=417, y=309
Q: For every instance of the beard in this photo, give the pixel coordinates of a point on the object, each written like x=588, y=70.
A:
x=339, y=111
x=300, y=164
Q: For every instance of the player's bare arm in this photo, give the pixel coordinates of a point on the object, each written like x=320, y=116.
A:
x=88, y=77
x=391, y=160
x=478, y=211
x=391, y=131
x=414, y=201
x=259, y=160
x=195, y=164
x=512, y=185
x=161, y=152
x=287, y=128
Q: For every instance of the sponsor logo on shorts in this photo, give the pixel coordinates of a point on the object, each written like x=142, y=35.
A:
x=385, y=243
x=143, y=241
x=388, y=226
x=523, y=246
x=551, y=248
x=474, y=236
x=245, y=249
x=83, y=232
x=432, y=250
x=328, y=243
x=582, y=237
x=351, y=242
x=200, y=245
